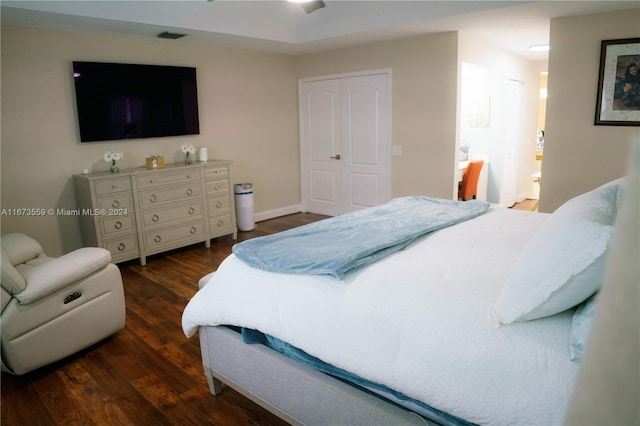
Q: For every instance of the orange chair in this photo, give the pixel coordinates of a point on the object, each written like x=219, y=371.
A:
x=468, y=188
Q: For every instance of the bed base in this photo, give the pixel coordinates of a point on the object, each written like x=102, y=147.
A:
x=291, y=391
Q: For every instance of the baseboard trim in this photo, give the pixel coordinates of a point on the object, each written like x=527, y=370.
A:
x=283, y=211
x=521, y=197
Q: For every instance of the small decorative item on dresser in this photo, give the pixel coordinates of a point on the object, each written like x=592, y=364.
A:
x=154, y=162
x=202, y=155
x=188, y=149
x=113, y=157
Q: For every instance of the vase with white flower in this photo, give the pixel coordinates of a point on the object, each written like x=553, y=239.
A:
x=113, y=157
x=188, y=149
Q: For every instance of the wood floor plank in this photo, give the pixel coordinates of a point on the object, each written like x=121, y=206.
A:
x=28, y=409
x=91, y=395
x=64, y=407
x=149, y=372
x=167, y=401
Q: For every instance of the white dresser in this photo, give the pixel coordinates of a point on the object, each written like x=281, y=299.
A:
x=220, y=202
x=139, y=212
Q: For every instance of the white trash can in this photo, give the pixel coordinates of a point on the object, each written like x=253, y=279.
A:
x=243, y=193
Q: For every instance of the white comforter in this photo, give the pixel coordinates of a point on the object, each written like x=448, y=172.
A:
x=415, y=322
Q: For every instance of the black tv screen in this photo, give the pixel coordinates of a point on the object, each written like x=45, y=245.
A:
x=128, y=101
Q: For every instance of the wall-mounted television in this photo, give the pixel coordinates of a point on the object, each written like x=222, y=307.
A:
x=128, y=101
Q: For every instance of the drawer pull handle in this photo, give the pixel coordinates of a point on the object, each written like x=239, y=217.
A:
x=157, y=239
x=115, y=204
x=153, y=198
x=192, y=210
x=118, y=225
x=189, y=191
x=155, y=218
x=219, y=204
x=121, y=246
x=220, y=223
x=193, y=230
x=217, y=186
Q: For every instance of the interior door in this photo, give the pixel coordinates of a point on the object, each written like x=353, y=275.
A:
x=344, y=137
x=365, y=141
x=321, y=146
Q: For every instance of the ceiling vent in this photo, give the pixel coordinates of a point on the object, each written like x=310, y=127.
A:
x=171, y=36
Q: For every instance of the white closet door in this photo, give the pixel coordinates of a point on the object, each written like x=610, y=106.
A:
x=365, y=141
x=321, y=146
x=344, y=137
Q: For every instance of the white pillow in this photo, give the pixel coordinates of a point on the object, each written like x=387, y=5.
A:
x=563, y=263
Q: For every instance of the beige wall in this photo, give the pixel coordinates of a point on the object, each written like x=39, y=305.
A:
x=423, y=110
x=579, y=156
x=248, y=114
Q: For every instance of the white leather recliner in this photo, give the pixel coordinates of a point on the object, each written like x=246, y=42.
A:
x=54, y=307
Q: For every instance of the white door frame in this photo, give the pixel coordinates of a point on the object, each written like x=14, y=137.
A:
x=386, y=163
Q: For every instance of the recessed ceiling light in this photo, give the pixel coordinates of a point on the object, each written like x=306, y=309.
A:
x=310, y=5
x=539, y=48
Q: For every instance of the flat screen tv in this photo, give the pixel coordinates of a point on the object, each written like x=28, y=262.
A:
x=128, y=101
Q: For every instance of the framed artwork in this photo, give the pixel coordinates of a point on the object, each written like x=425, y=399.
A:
x=618, y=102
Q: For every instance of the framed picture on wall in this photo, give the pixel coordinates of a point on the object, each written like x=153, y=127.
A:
x=618, y=102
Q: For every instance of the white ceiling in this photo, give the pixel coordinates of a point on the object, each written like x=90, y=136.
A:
x=283, y=27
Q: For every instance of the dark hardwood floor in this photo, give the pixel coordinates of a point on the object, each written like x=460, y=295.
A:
x=149, y=373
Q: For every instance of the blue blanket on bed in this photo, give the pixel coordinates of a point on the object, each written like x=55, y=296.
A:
x=345, y=243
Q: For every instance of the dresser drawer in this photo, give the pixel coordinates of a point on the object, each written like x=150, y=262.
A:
x=108, y=186
x=219, y=205
x=163, y=178
x=116, y=201
x=215, y=172
x=220, y=223
x=165, y=237
x=115, y=224
x=170, y=215
x=217, y=187
x=126, y=246
x=158, y=196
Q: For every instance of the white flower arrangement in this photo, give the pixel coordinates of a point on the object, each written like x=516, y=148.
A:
x=188, y=149
x=113, y=157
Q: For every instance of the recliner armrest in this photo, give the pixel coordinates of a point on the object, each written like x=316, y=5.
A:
x=52, y=276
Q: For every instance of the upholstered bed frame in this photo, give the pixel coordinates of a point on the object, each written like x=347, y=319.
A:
x=295, y=393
